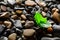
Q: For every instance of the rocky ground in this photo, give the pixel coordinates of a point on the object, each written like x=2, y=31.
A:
x=17, y=19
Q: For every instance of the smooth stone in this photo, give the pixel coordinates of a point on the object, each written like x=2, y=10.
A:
x=14, y=16
x=18, y=24
x=45, y=9
x=18, y=1
x=50, y=29
x=55, y=16
x=12, y=2
x=43, y=4
x=18, y=11
x=22, y=21
x=43, y=13
x=5, y=15
x=28, y=32
x=12, y=36
x=3, y=8
x=30, y=3
x=56, y=27
x=23, y=17
x=24, y=12
x=29, y=24
x=3, y=38
x=8, y=24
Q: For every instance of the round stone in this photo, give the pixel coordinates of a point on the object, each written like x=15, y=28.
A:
x=28, y=32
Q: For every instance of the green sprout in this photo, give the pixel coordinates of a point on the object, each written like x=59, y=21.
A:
x=40, y=20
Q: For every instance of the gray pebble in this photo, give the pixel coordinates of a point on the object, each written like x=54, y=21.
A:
x=18, y=24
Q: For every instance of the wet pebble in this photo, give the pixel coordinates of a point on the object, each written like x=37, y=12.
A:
x=23, y=17
x=29, y=24
x=12, y=36
x=28, y=32
x=30, y=3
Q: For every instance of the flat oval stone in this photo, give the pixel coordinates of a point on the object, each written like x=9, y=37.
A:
x=23, y=17
x=12, y=36
x=5, y=15
x=29, y=24
x=30, y=3
x=18, y=11
x=14, y=16
x=3, y=8
x=43, y=4
x=28, y=32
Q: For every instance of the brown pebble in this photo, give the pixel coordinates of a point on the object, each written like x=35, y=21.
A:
x=45, y=9
x=3, y=8
x=18, y=11
x=5, y=15
x=28, y=32
x=8, y=24
x=29, y=24
x=12, y=36
x=49, y=29
x=56, y=16
x=30, y=3
x=42, y=4
x=43, y=13
x=14, y=16
x=23, y=17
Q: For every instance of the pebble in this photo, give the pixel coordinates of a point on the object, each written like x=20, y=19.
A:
x=29, y=24
x=50, y=30
x=28, y=32
x=18, y=24
x=18, y=11
x=23, y=17
x=8, y=24
x=56, y=17
x=43, y=4
x=2, y=27
x=56, y=27
x=12, y=36
x=22, y=21
x=30, y=3
x=14, y=16
x=5, y=15
x=44, y=14
x=3, y=38
x=3, y=8
x=12, y=2
x=18, y=1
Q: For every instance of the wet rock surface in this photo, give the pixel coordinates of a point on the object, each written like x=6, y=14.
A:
x=17, y=19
